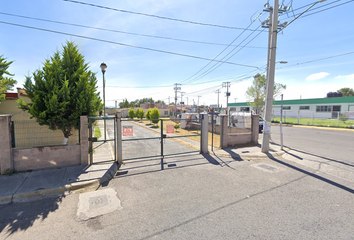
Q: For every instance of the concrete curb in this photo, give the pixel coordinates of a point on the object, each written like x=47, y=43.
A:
x=247, y=157
x=76, y=187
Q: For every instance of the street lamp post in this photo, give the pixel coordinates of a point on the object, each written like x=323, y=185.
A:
x=103, y=68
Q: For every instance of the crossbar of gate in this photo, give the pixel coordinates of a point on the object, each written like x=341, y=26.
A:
x=162, y=136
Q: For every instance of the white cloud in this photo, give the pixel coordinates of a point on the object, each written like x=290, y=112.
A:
x=317, y=76
x=349, y=77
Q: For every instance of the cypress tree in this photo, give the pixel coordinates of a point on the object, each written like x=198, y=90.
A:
x=62, y=91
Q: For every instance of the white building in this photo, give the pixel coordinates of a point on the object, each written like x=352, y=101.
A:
x=306, y=108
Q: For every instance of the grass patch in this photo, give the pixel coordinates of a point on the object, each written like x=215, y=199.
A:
x=316, y=122
x=97, y=132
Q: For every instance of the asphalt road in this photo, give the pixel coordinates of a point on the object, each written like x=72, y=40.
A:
x=200, y=197
x=338, y=145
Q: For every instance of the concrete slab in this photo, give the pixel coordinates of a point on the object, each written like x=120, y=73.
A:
x=93, y=204
x=72, y=174
x=40, y=180
x=9, y=185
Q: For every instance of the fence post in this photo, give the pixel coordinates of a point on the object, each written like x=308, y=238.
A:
x=337, y=119
x=84, y=140
x=298, y=117
x=118, y=137
x=204, y=133
x=223, y=131
x=255, y=128
x=6, y=157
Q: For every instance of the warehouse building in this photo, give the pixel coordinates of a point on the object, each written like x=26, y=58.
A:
x=329, y=107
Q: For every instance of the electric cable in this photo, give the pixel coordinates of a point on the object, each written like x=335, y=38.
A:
x=155, y=16
x=123, y=44
x=118, y=31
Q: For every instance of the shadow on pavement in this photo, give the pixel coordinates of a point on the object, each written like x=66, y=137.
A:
x=312, y=174
x=312, y=154
x=21, y=216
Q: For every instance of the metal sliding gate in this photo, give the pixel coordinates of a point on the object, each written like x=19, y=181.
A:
x=153, y=141
x=105, y=153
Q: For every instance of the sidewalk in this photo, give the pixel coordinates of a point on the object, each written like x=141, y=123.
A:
x=30, y=186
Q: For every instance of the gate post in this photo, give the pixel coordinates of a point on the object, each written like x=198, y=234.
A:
x=118, y=137
x=223, y=131
x=84, y=147
x=204, y=133
x=6, y=157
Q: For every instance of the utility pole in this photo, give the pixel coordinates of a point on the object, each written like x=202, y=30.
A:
x=187, y=100
x=273, y=28
x=182, y=102
x=176, y=88
x=198, y=104
x=218, y=91
x=169, y=100
x=227, y=85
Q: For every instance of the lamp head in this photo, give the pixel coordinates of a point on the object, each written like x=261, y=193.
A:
x=103, y=67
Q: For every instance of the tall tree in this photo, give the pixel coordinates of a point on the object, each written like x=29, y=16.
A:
x=6, y=82
x=257, y=92
x=347, y=92
x=62, y=91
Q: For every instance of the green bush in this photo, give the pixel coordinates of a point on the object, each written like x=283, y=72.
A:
x=140, y=113
x=131, y=113
x=155, y=115
x=176, y=126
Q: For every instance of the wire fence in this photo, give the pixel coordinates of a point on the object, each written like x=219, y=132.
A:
x=28, y=133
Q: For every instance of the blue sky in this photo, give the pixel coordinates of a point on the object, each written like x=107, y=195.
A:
x=134, y=73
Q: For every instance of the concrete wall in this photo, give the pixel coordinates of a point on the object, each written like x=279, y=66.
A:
x=217, y=129
x=46, y=157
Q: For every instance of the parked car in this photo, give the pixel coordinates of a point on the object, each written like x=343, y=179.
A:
x=261, y=121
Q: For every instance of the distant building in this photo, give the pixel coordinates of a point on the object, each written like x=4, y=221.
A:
x=306, y=108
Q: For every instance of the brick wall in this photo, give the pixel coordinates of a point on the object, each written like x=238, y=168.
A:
x=46, y=157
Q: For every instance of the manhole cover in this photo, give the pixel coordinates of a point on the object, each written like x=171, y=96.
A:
x=93, y=204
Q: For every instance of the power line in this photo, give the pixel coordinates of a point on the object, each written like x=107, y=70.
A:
x=319, y=59
x=123, y=44
x=328, y=8
x=216, y=65
x=118, y=31
x=155, y=16
x=188, y=79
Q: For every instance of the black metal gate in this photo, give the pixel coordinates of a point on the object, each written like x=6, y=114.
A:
x=156, y=144
x=95, y=143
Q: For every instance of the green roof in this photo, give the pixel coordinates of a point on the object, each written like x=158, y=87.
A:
x=334, y=100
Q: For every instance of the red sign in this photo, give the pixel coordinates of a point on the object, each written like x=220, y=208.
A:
x=170, y=129
x=127, y=130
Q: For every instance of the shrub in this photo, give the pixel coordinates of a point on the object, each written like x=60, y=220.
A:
x=176, y=126
x=139, y=113
x=131, y=113
x=155, y=115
